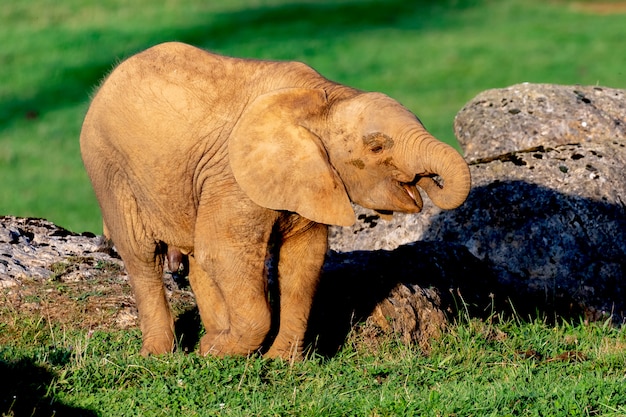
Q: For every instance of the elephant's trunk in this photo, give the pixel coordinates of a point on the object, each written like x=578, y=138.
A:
x=442, y=171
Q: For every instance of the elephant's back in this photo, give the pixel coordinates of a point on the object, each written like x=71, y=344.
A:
x=164, y=115
x=176, y=93
x=174, y=103
x=150, y=125
x=156, y=109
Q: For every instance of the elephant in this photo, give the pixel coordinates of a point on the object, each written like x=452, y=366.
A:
x=194, y=153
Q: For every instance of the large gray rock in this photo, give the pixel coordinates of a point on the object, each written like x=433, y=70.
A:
x=551, y=225
x=524, y=116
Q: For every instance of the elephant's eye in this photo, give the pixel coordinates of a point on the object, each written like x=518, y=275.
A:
x=377, y=142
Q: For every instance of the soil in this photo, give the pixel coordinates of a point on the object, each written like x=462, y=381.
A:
x=601, y=8
x=101, y=301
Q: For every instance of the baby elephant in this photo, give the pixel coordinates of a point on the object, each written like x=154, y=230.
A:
x=211, y=155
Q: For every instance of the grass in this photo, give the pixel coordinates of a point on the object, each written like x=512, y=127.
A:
x=68, y=347
x=477, y=369
x=431, y=56
x=64, y=351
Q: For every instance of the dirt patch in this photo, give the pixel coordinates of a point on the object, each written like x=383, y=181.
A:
x=601, y=7
x=101, y=301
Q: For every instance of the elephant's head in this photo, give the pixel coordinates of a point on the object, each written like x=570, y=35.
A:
x=295, y=150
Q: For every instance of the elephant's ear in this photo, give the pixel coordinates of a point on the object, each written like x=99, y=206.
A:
x=282, y=165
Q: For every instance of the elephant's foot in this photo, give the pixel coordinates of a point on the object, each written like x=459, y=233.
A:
x=225, y=343
x=157, y=345
x=288, y=350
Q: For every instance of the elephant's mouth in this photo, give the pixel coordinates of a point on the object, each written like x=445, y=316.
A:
x=410, y=189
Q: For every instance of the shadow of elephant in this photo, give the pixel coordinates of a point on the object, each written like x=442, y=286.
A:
x=513, y=248
x=24, y=389
x=353, y=283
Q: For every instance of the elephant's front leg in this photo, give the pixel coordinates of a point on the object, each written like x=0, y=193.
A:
x=227, y=275
x=300, y=262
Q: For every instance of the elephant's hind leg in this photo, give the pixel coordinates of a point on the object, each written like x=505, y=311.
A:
x=144, y=264
x=155, y=316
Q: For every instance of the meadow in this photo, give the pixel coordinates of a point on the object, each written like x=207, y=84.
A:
x=512, y=368
x=431, y=55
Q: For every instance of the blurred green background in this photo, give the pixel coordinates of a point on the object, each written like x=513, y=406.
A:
x=433, y=56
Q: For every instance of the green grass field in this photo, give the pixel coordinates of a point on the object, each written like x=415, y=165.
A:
x=476, y=369
x=433, y=56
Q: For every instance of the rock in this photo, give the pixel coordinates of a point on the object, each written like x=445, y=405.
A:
x=411, y=312
x=551, y=225
x=68, y=277
x=526, y=115
x=371, y=232
x=37, y=248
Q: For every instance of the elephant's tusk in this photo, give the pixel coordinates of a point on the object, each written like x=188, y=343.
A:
x=411, y=190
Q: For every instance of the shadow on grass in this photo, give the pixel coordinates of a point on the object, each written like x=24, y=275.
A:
x=225, y=31
x=323, y=20
x=24, y=392
x=353, y=283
